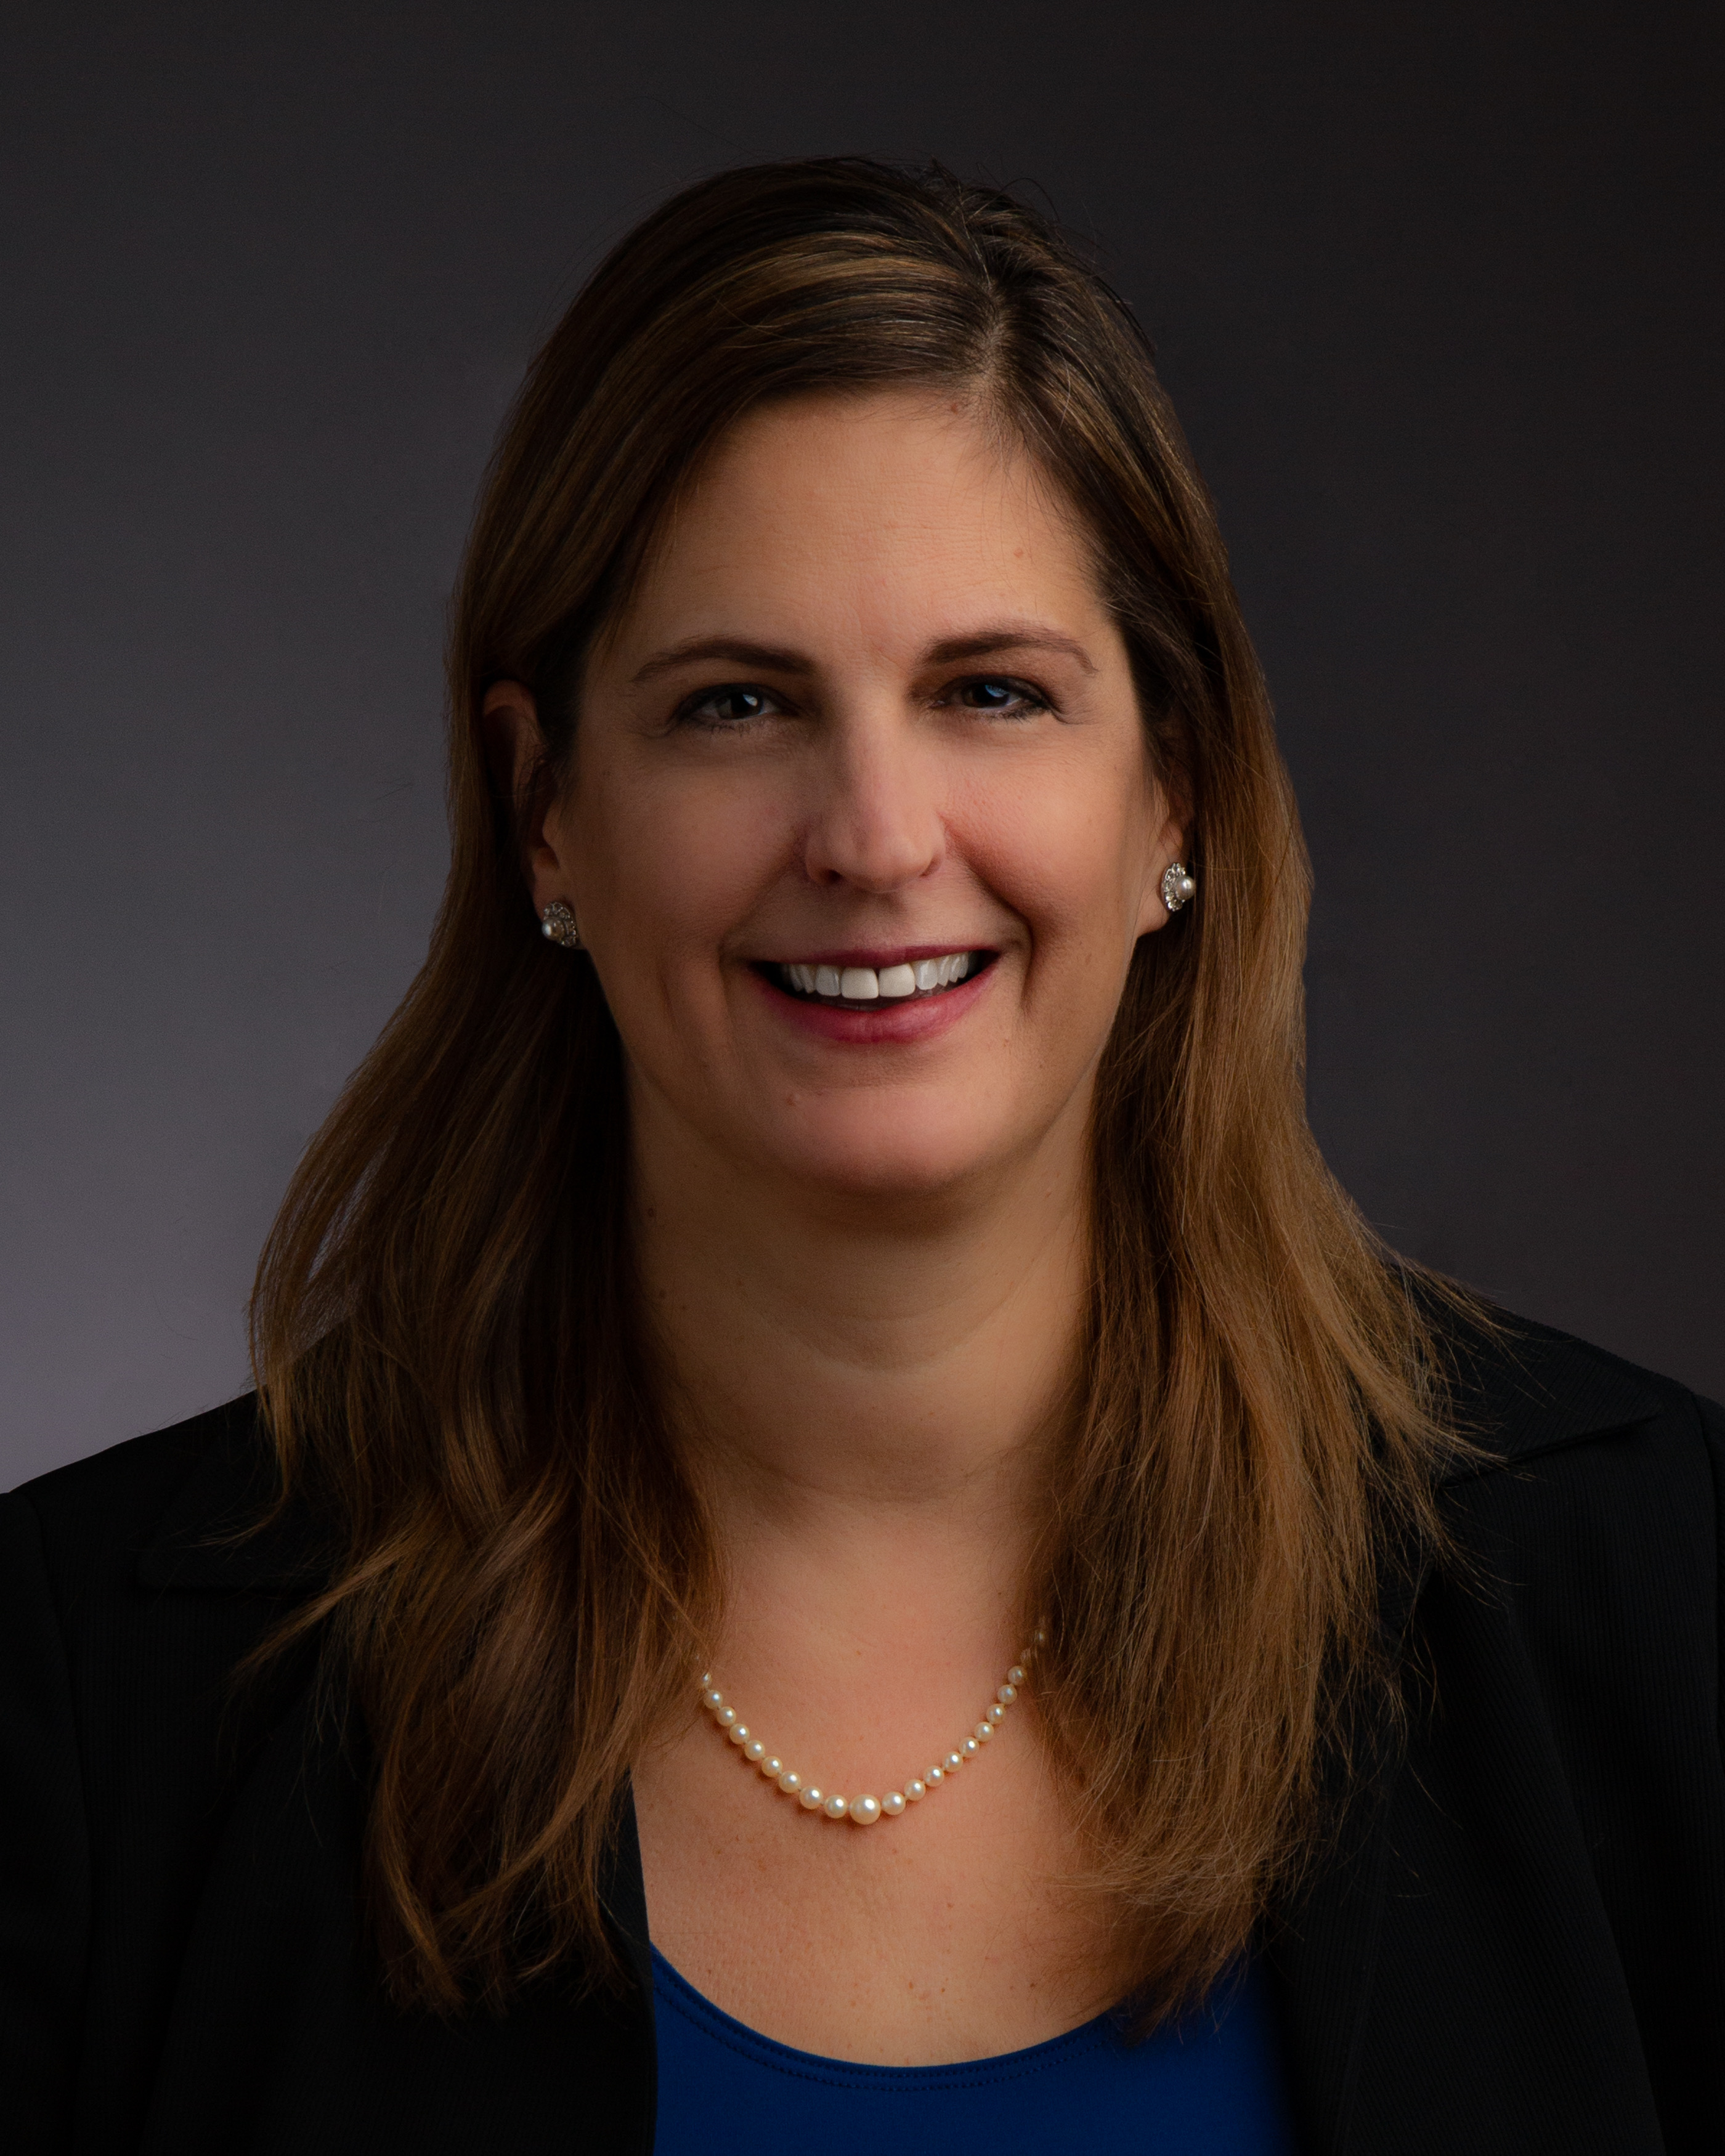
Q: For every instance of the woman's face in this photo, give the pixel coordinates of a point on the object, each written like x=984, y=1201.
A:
x=861, y=827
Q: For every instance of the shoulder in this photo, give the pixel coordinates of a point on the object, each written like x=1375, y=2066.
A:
x=1521, y=1390
x=1538, y=1874
x=133, y=1572
x=1590, y=1512
x=130, y=1595
x=169, y=1510
x=97, y=1516
x=1542, y=1411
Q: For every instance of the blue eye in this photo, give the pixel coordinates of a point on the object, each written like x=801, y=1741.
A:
x=734, y=704
x=988, y=692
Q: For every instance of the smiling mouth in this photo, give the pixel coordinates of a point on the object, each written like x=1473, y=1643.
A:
x=866, y=987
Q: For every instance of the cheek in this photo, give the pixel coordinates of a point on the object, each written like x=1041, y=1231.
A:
x=1065, y=849
x=672, y=866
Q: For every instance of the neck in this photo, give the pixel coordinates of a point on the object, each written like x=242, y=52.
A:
x=873, y=1382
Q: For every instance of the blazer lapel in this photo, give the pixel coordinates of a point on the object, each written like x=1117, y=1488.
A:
x=1321, y=1952
x=279, y=2037
x=1413, y=2019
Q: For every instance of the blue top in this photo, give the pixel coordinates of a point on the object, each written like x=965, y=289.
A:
x=1213, y=2084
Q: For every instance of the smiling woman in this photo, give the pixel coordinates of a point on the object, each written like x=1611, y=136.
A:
x=834, y=1228
x=760, y=863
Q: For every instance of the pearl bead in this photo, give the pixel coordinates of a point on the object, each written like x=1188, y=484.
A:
x=864, y=1810
x=1039, y=1639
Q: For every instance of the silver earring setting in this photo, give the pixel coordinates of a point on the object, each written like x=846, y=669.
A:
x=1179, y=886
x=557, y=924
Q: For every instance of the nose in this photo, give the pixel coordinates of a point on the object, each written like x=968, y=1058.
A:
x=875, y=819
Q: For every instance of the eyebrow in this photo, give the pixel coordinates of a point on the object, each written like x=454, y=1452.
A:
x=769, y=657
x=987, y=640
x=772, y=659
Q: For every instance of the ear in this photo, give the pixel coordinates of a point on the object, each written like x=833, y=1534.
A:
x=515, y=749
x=1168, y=846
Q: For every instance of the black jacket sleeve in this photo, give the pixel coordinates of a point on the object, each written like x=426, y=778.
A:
x=44, y=1850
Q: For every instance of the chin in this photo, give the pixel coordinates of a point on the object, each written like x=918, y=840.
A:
x=881, y=1146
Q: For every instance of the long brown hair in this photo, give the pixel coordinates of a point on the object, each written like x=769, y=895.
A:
x=445, y=1330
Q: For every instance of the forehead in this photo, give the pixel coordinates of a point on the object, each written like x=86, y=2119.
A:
x=890, y=515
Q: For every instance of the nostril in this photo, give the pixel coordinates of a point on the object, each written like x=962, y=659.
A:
x=875, y=840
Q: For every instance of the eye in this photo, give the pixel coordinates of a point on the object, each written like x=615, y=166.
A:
x=998, y=693
x=735, y=704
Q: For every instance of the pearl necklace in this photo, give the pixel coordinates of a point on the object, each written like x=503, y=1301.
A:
x=863, y=1811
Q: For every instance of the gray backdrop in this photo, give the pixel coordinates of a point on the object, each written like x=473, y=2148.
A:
x=1436, y=290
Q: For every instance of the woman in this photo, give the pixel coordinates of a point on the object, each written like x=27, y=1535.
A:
x=829, y=1255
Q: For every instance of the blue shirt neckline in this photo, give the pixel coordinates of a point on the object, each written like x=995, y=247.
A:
x=675, y=1990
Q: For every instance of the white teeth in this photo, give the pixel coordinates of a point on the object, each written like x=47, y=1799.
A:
x=865, y=984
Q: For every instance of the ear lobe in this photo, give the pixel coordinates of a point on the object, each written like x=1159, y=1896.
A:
x=1170, y=846
x=1153, y=914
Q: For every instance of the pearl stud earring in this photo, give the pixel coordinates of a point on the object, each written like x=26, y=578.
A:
x=1178, y=885
x=558, y=925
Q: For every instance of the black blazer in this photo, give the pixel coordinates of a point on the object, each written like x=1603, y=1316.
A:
x=1518, y=1944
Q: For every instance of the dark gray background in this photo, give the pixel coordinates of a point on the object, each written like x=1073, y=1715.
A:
x=1436, y=291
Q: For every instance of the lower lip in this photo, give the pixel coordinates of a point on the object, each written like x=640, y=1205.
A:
x=912, y=1019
